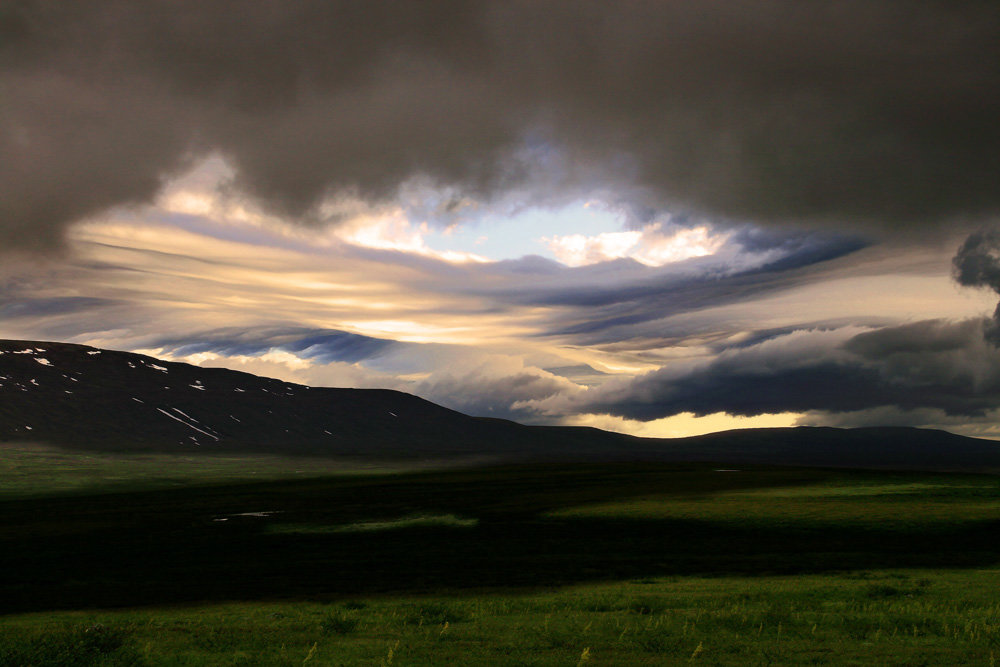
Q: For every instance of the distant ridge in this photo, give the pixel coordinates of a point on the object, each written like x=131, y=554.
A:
x=82, y=397
x=884, y=447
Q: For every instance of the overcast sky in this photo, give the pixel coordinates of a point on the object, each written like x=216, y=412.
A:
x=662, y=218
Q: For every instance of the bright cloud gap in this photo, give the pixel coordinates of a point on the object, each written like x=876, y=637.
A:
x=427, y=222
x=651, y=246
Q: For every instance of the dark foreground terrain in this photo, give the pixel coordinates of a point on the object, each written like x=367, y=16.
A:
x=529, y=564
x=457, y=530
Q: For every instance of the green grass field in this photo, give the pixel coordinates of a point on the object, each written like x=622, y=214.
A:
x=888, y=617
x=35, y=470
x=615, y=564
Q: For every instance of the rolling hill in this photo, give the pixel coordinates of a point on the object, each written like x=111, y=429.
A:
x=82, y=397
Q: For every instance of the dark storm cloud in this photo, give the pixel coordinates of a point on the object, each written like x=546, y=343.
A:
x=977, y=264
x=876, y=110
x=320, y=345
x=932, y=364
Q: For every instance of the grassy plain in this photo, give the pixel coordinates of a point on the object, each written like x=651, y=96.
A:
x=37, y=470
x=616, y=564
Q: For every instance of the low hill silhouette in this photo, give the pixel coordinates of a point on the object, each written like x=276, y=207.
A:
x=82, y=397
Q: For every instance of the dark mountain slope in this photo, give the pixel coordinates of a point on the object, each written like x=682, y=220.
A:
x=78, y=396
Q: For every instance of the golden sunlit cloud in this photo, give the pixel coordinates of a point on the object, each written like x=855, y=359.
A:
x=683, y=424
x=229, y=280
x=650, y=246
x=395, y=232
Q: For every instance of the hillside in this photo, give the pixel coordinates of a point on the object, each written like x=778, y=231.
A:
x=79, y=396
x=82, y=397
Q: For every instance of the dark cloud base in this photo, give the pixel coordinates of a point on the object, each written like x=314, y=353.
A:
x=935, y=364
x=977, y=264
x=878, y=112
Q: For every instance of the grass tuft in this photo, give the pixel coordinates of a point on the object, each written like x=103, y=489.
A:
x=338, y=624
x=435, y=613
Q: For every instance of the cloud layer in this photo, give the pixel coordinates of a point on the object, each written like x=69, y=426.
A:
x=932, y=364
x=880, y=111
x=772, y=327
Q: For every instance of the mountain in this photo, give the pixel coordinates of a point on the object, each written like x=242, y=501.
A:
x=79, y=396
x=83, y=397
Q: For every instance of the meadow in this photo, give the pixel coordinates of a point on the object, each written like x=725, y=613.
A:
x=277, y=562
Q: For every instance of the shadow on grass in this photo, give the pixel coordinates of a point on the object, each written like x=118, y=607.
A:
x=240, y=542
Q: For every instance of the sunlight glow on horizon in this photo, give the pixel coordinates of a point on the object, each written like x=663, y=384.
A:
x=684, y=424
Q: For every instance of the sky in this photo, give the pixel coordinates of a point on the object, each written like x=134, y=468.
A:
x=662, y=218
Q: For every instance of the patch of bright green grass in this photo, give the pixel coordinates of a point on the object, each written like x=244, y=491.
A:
x=34, y=470
x=901, y=617
x=857, y=500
